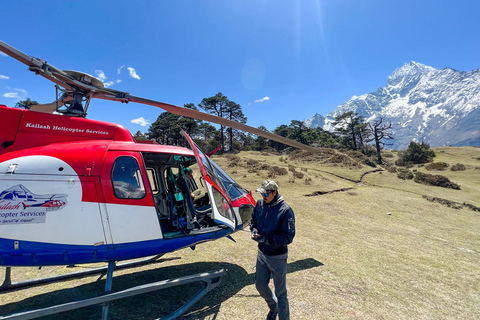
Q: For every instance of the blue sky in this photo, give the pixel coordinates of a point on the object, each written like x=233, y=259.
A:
x=280, y=60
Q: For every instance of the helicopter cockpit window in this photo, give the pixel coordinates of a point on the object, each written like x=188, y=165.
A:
x=208, y=167
x=234, y=190
x=127, y=179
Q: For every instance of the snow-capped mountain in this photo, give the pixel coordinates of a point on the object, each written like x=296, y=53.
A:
x=316, y=121
x=440, y=107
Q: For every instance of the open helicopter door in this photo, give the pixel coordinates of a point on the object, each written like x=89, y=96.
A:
x=221, y=206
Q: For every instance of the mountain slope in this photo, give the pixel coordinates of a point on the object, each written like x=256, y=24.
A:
x=440, y=107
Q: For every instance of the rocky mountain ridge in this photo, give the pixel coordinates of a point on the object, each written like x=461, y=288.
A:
x=440, y=107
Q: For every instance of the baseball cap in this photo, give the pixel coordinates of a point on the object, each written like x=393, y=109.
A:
x=267, y=185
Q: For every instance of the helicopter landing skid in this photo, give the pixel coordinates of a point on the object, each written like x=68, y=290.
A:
x=211, y=280
x=8, y=285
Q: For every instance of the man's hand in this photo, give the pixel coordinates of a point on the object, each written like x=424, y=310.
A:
x=255, y=234
x=257, y=237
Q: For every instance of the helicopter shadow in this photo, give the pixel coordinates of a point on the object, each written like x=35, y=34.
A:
x=151, y=305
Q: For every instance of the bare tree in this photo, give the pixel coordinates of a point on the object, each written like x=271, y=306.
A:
x=380, y=131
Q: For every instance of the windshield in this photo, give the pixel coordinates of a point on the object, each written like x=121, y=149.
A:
x=233, y=189
x=207, y=165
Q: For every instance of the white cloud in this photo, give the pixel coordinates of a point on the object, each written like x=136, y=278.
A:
x=133, y=73
x=2, y=77
x=262, y=100
x=11, y=95
x=141, y=121
x=120, y=69
x=101, y=75
x=111, y=83
x=22, y=91
x=3, y=54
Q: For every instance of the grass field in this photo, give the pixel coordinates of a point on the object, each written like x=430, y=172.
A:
x=376, y=250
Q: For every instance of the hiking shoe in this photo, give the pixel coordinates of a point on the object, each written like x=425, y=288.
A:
x=272, y=315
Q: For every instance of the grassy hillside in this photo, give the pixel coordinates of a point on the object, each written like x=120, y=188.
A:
x=369, y=246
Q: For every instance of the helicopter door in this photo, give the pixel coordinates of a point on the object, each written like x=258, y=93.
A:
x=221, y=206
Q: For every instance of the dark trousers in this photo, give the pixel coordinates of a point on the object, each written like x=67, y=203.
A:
x=275, y=267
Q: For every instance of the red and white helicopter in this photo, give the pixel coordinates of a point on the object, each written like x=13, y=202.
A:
x=75, y=190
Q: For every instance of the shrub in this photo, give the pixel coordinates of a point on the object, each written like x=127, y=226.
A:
x=435, y=180
x=458, y=167
x=277, y=171
x=417, y=153
x=265, y=166
x=252, y=163
x=343, y=160
x=298, y=175
x=233, y=160
x=304, y=156
x=404, y=174
x=360, y=158
x=437, y=166
x=401, y=163
x=392, y=169
x=308, y=181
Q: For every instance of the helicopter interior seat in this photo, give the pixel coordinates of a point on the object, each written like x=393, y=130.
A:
x=201, y=212
x=178, y=206
x=160, y=198
x=161, y=204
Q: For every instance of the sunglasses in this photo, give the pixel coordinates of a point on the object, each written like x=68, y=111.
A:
x=266, y=194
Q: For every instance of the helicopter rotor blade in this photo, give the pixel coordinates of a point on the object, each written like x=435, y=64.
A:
x=87, y=88
x=57, y=76
x=36, y=65
x=181, y=111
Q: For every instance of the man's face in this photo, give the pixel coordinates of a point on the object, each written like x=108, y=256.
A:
x=188, y=175
x=269, y=198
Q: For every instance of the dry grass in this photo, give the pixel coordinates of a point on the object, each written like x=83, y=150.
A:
x=349, y=260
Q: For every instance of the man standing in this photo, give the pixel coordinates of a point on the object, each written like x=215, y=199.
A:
x=273, y=227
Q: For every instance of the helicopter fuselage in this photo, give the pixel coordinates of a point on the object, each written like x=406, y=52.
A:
x=76, y=190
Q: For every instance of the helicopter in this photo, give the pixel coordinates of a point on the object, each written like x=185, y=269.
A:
x=75, y=190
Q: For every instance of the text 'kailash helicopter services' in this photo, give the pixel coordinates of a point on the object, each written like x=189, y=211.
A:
x=75, y=190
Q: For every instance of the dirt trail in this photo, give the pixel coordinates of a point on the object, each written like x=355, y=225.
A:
x=358, y=182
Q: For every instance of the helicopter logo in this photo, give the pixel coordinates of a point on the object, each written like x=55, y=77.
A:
x=18, y=205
